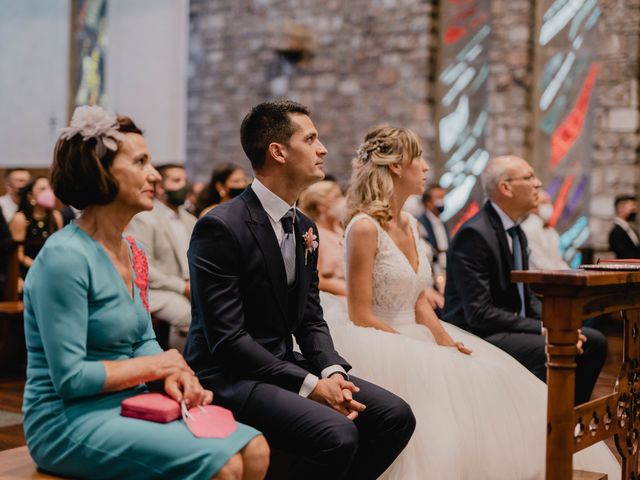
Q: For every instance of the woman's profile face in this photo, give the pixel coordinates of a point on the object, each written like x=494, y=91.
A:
x=414, y=175
x=134, y=174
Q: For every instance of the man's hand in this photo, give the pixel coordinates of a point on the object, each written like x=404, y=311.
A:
x=337, y=393
x=581, y=340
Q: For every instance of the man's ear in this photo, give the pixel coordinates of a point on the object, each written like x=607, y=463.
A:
x=278, y=152
x=505, y=189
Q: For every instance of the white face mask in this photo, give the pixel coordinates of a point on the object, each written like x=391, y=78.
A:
x=545, y=211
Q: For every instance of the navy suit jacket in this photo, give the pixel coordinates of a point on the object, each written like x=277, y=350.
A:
x=479, y=294
x=243, y=318
x=431, y=234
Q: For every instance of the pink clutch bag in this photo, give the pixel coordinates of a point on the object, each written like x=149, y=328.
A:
x=154, y=407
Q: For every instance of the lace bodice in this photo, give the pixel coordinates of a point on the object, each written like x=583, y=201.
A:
x=396, y=286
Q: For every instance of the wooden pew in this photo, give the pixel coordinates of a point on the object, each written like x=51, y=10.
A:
x=568, y=298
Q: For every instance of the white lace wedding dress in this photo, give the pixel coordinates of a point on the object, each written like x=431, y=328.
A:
x=479, y=417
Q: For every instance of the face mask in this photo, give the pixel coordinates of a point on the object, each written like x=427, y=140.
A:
x=46, y=199
x=439, y=207
x=632, y=217
x=177, y=197
x=545, y=211
x=338, y=209
x=234, y=192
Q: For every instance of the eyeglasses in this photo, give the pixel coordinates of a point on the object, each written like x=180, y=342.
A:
x=529, y=178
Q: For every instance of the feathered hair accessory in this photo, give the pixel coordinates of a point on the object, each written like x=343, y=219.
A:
x=92, y=121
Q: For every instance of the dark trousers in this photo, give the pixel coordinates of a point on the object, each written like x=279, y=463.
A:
x=529, y=350
x=325, y=443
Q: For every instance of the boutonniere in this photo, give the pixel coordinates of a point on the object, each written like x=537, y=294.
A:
x=310, y=243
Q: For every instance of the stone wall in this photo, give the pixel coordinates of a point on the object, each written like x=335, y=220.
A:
x=371, y=65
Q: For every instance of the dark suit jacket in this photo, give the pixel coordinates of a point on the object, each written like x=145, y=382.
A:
x=621, y=244
x=431, y=234
x=241, y=328
x=479, y=295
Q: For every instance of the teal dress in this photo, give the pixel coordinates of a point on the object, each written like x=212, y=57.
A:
x=79, y=313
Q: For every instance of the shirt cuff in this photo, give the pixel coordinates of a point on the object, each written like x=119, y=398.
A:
x=331, y=369
x=309, y=383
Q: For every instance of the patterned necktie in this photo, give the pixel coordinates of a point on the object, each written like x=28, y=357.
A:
x=517, y=262
x=288, y=246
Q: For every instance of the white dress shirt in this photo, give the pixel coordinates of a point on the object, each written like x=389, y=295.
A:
x=544, y=243
x=9, y=207
x=276, y=208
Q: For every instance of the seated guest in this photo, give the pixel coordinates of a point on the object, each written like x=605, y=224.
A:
x=324, y=203
x=227, y=181
x=480, y=296
x=15, y=180
x=35, y=220
x=165, y=232
x=543, y=240
x=88, y=332
x=624, y=240
x=5, y=249
x=435, y=232
x=253, y=269
x=190, y=204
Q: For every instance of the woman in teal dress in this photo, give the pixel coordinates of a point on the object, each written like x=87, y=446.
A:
x=88, y=331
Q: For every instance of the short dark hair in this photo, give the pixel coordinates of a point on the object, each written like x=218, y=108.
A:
x=162, y=169
x=428, y=193
x=266, y=123
x=9, y=171
x=623, y=198
x=80, y=177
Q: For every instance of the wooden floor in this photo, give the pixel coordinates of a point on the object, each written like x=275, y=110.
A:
x=11, y=387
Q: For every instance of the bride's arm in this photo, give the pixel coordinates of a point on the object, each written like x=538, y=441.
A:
x=427, y=317
x=361, y=252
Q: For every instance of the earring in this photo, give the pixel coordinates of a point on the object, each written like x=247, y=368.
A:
x=32, y=202
x=222, y=193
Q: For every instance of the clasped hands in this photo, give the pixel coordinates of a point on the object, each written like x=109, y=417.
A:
x=337, y=393
x=180, y=381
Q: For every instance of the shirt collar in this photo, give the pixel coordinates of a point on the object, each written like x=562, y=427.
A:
x=507, y=223
x=275, y=206
x=623, y=223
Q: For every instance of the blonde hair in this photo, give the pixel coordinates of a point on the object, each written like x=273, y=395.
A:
x=314, y=194
x=371, y=184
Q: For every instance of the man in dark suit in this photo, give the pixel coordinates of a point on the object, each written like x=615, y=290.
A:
x=480, y=296
x=254, y=284
x=623, y=238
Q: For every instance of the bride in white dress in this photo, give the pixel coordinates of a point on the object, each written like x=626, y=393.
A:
x=480, y=414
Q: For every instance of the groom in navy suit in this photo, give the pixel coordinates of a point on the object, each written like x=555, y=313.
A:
x=254, y=285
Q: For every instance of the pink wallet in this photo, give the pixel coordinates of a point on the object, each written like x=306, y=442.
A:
x=154, y=407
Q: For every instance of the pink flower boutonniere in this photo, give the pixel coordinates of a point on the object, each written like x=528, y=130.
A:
x=141, y=269
x=310, y=243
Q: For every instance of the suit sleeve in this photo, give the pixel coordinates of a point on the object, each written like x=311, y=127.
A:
x=313, y=335
x=470, y=263
x=143, y=231
x=215, y=265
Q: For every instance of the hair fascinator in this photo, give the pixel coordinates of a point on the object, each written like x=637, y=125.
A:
x=92, y=121
x=372, y=146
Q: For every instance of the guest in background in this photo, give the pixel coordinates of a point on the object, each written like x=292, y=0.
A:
x=165, y=232
x=69, y=214
x=325, y=204
x=543, y=240
x=480, y=296
x=190, y=204
x=624, y=240
x=5, y=248
x=88, y=332
x=35, y=220
x=227, y=181
x=14, y=180
x=435, y=232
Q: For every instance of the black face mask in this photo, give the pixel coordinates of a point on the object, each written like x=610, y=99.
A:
x=177, y=197
x=234, y=192
x=440, y=208
x=632, y=217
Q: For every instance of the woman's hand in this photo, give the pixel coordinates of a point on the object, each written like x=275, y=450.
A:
x=444, y=340
x=169, y=363
x=186, y=386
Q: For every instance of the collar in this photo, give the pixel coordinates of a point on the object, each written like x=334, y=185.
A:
x=507, y=223
x=431, y=216
x=275, y=206
x=166, y=211
x=622, y=223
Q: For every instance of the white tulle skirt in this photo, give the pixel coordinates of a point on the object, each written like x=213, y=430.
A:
x=479, y=417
